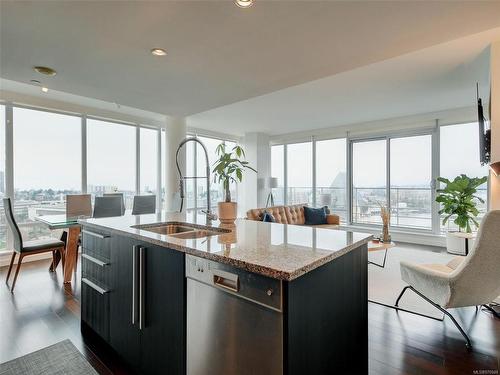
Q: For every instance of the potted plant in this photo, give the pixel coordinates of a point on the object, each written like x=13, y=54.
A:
x=229, y=167
x=458, y=199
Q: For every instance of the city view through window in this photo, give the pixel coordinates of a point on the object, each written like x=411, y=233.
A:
x=196, y=190
x=42, y=182
x=409, y=172
x=47, y=161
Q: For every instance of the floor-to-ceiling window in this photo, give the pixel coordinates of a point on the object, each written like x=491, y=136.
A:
x=163, y=156
x=215, y=188
x=191, y=184
x=299, y=173
x=459, y=154
x=111, y=159
x=3, y=224
x=331, y=175
x=396, y=170
x=410, y=178
x=148, y=177
x=369, y=180
x=196, y=190
x=278, y=171
x=47, y=166
x=48, y=162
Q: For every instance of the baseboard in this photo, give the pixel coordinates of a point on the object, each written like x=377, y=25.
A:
x=6, y=255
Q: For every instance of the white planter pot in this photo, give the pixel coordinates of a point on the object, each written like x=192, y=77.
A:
x=459, y=243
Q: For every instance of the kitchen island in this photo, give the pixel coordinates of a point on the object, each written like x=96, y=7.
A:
x=172, y=295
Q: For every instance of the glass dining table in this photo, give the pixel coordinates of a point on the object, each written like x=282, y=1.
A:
x=70, y=225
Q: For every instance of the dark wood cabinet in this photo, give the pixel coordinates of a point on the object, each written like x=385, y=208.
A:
x=162, y=336
x=124, y=333
x=141, y=313
x=95, y=307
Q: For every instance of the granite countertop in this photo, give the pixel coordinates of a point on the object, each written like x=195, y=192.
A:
x=283, y=252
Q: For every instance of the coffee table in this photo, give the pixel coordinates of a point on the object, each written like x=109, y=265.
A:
x=379, y=246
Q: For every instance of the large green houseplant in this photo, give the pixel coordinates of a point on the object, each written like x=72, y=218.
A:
x=229, y=168
x=458, y=199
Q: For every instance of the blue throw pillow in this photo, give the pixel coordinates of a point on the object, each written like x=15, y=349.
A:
x=315, y=216
x=268, y=218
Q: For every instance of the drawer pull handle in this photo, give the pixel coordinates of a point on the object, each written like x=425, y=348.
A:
x=95, y=260
x=93, y=234
x=94, y=286
x=229, y=282
x=142, y=279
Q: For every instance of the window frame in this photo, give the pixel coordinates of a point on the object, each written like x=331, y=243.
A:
x=9, y=142
x=434, y=133
x=194, y=157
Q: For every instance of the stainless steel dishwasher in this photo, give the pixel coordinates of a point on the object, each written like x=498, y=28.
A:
x=234, y=320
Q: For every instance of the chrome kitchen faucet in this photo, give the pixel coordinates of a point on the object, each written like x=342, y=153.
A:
x=210, y=215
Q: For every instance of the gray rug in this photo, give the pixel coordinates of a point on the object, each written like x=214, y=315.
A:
x=385, y=284
x=61, y=358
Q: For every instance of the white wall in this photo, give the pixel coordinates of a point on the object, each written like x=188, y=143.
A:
x=24, y=94
x=417, y=121
x=495, y=123
x=258, y=154
x=174, y=134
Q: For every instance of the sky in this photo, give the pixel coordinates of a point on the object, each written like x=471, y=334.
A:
x=47, y=152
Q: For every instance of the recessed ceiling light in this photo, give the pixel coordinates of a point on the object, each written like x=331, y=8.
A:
x=244, y=3
x=158, y=52
x=45, y=70
x=45, y=89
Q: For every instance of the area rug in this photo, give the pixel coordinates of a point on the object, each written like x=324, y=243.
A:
x=385, y=284
x=58, y=359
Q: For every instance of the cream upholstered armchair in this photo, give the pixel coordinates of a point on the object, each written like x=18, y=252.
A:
x=470, y=281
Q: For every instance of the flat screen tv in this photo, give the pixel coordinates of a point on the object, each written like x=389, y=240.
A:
x=484, y=132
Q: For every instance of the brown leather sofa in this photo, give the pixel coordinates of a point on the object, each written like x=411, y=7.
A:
x=293, y=214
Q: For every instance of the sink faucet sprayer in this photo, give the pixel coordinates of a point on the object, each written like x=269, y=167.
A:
x=210, y=215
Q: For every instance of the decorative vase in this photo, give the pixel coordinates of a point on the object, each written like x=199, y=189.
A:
x=227, y=212
x=386, y=237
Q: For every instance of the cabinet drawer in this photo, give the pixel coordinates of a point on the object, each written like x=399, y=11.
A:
x=97, y=242
x=95, y=307
x=95, y=268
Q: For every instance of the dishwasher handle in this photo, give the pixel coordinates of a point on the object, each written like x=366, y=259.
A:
x=226, y=280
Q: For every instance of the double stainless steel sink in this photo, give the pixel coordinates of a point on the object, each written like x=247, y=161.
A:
x=182, y=230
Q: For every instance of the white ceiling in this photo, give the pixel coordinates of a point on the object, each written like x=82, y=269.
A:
x=433, y=79
x=219, y=54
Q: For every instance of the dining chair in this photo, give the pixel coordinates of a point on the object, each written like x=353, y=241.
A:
x=25, y=248
x=78, y=205
x=117, y=195
x=107, y=206
x=473, y=281
x=144, y=204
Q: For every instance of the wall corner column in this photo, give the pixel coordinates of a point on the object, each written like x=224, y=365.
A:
x=175, y=132
x=258, y=154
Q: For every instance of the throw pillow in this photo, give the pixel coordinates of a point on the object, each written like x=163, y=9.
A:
x=268, y=218
x=315, y=216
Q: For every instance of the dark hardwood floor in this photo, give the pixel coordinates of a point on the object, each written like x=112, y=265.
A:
x=41, y=312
